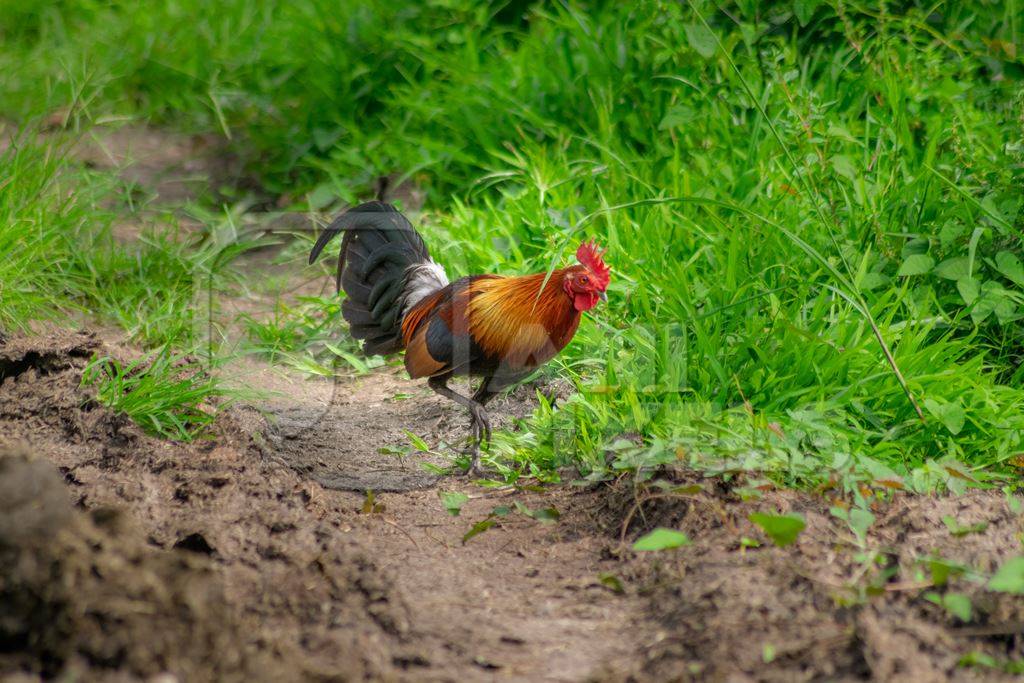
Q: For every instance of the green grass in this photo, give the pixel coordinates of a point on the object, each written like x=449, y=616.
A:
x=62, y=261
x=174, y=397
x=306, y=337
x=799, y=198
x=62, y=257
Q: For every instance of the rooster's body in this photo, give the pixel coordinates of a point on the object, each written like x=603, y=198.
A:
x=494, y=327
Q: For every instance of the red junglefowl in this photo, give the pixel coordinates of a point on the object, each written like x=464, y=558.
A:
x=490, y=326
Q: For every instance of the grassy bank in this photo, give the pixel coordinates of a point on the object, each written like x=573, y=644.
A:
x=63, y=263
x=812, y=209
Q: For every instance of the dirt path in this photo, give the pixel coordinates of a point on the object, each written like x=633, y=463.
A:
x=522, y=601
x=393, y=593
x=227, y=560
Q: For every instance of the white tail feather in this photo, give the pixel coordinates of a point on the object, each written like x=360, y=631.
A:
x=421, y=280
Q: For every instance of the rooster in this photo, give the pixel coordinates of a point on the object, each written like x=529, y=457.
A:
x=490, y=326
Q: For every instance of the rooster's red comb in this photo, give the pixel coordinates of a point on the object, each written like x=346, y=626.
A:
x=589, y=255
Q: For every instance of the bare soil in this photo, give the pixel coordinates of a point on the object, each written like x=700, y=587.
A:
x=828, y=607
x=123, y=556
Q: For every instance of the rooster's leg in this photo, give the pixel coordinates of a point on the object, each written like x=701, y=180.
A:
x=481, y=423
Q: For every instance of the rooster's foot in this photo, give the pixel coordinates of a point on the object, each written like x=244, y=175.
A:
x=474, y=470
x=480, y=424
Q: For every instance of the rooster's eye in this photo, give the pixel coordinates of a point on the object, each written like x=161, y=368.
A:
x=584, y=279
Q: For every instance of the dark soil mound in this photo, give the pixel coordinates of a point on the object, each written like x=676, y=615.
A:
x=84, y=594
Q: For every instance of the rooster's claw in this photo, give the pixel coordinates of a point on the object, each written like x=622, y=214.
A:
x=474, y=469
x=481, y=425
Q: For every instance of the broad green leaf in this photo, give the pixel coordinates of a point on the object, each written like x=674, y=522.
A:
x=677, y=116
x=860, y=521
x=995, y=209
x=1009, y=265
x=994, y=299
x=612, y=582
x=950, y=232
x=969, y=289
x=956, y=268
x=872, y=281
x=1007, y=312
x=804, y=10
x=957, y=604
x=453, y=501
x=918, y=245
x=916, y=264
x=478, y=528
x=548, y=514
x=951, y=415
x=701, y=39
x=1010, y=577
x=940, y=571
x=782, y=529
x=842, y=165
x=661, y=539
x=982, y=309
x=976, y=658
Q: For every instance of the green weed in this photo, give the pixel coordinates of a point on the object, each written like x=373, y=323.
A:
x=307, y=337
x=168, y=395
x=62, y=257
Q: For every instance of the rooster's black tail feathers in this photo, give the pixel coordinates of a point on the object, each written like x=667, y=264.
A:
x=382, y=265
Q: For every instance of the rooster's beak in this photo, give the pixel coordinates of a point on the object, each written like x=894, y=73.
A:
x=604, y=297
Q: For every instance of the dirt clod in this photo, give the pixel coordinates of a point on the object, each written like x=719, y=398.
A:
x=83, y=598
